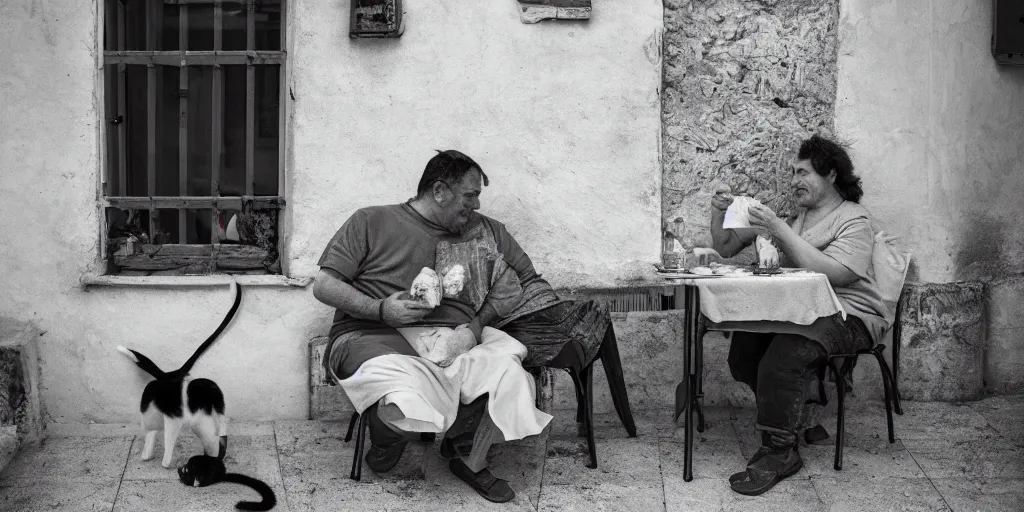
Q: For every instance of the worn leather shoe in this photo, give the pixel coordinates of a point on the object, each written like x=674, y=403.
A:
x=770, y=469
x=484, y=483
x=382, y=459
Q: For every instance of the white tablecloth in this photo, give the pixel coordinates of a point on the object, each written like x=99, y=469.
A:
x=799, y=298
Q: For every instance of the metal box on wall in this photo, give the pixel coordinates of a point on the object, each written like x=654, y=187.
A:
x=1008, y=31
x=376, y=18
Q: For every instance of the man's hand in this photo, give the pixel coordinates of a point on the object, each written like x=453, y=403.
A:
x=762, y=216
x=399, y=312
x=722, y=198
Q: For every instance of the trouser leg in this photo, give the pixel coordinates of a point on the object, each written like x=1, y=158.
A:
x=789, y=362
x=745, y=354
x=467, y=419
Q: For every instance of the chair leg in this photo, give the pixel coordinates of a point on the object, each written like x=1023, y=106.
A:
x=887, y=386
x=609, y=354
x=588, y=385
x=357, y=457
x=577, y=382
x=840, y=424
x=888, y=376
x=351, y=425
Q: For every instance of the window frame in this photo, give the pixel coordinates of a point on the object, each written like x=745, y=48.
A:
x=110, y=17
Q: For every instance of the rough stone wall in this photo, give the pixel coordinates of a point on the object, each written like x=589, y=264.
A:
x=745, y=81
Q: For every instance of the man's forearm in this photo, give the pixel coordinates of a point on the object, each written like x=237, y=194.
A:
x=335, y=292
x=725, y=241
x=486, y=316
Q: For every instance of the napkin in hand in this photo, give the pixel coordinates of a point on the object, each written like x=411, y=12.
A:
x=738, y=213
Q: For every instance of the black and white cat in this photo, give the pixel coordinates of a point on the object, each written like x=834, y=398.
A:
x=173, y=400
x=203, y=470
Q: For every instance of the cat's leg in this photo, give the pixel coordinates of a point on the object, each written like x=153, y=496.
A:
x=205, y=428
x=152, y=421
x=172, y=427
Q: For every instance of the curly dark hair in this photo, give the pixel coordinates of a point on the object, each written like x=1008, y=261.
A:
x=827, y=155
x=448, y=166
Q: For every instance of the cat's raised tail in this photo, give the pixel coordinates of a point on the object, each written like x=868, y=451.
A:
x=269, y=500
x=151, y=368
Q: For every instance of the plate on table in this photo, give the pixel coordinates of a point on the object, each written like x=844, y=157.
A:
x=682, y=273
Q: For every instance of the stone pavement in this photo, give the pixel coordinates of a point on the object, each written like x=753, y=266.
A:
x=962, y=457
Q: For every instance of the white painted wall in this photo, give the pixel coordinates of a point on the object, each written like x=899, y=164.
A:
x=565, y=118
x=938, y=132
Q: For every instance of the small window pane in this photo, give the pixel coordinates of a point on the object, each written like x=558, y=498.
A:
x=268, y=99
x=149, y=25
x=200, y=130
x=268, y=25
x=232, y=173
x=138, y=111
x=165, y=227
x=114, y=126
x=197, y=226
x=201, y=24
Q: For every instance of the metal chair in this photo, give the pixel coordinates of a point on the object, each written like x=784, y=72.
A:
x=892, y=393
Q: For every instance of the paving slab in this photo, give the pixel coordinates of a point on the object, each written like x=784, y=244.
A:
x=883, y=494
x=977, y=494
x=163, y=495
x=59, y=496
x=994, y=457
x=864, y=462
x=1005, y=414
x=712, y=458
x=628, y=472
x=930, y=420
x=718, y=423
x=795, y=494
x=79, y=459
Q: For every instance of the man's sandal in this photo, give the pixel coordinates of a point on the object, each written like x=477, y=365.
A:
x=484, y=483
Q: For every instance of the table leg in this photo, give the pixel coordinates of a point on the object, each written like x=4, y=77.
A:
x=698, y=370
x=689, y=334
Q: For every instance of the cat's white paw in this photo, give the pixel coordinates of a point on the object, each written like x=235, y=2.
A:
x=147, y=456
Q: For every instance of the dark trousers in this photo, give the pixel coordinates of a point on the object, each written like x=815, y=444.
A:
x=778, y=368
x=466, y=420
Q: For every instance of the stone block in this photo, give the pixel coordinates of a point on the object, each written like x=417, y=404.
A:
x=1004, y=355
x=942, y=352
x=326, y=402
x=21, y=420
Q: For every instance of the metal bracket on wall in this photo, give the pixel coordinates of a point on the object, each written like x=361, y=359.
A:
x=532, y=11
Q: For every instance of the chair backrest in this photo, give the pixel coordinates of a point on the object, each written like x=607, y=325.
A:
x=890, y=267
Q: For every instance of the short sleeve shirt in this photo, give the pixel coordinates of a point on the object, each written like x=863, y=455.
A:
x=847, y=237
x=380, y=250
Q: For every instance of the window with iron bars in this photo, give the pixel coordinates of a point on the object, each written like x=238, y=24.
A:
x=194, y=95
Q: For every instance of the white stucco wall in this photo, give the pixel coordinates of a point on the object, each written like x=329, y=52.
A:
x=937, y=129
x=565, y=118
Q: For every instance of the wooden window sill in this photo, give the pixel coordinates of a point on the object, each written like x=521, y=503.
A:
x=190, y=281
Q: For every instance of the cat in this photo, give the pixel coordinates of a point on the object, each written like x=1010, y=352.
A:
x=164, y=400
x=203, y=470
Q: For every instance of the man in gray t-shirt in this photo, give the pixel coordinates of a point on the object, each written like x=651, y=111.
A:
x=365, y=273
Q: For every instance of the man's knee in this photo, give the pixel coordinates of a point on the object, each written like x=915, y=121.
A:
x=791, y=355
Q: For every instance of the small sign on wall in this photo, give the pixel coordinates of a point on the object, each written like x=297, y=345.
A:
x=532, y=11
x=376, y=18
